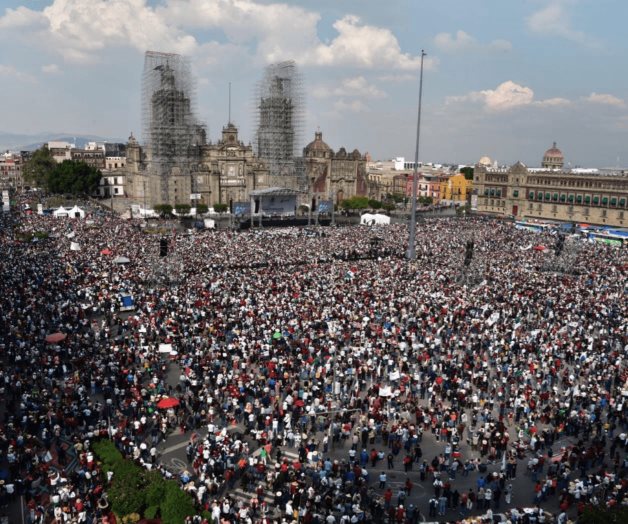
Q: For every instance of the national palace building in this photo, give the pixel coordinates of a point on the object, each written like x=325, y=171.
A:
x=592, y=196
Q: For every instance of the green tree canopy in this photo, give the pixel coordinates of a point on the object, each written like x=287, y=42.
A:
x=182, y=209
x=467, y=172
x=76, y=178
x=38, y=168
x=201, y=209
x=375, y=204
x=220, y=208
x=162, y=209
x=355, y=202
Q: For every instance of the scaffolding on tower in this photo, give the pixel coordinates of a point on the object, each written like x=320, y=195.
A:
x=280, y=114
x=170, y=128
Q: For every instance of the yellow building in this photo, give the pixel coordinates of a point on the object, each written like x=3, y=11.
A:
x=455, y=189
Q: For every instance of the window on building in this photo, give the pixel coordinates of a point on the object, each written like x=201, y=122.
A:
x=596, y=200
x=578, y=199
x=531, y=195
x=613, y=201
x=563, y=197
x=604, y=201
x=555, y=197
x=622, y=202
x=587, y=199
x=603, y=213
x=570, y=198
x=515, y=193
x=548, y=197
x=585, y=212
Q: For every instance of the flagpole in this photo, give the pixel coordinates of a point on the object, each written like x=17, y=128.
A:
x=411, y=253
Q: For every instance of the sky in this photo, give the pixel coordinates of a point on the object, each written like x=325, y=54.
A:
x=502, y=78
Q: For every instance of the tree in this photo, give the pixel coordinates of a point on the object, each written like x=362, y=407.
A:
x=163, y=209
x=600, y=514
x=388, y=206
x=356, y=202
x=38, y=168
x=201, y=209
x=375, y=204
x=182, y=209
x=467, y=172
x=76, y=178
x=220, y=208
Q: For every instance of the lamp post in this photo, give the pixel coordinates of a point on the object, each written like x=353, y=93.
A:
x=411, y=253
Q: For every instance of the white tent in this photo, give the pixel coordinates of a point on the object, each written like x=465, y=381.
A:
x=121, y=260
x=60, y=213
x=372, y=220
x=76, y=212
x=74, y=246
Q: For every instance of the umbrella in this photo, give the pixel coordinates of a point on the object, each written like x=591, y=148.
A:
x=54, y=338
x=121, y=260
x=277, y=335
x=106, y=251
x=168, y=402
x=539, y=248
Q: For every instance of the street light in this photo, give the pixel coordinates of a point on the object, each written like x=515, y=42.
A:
x=411, y=253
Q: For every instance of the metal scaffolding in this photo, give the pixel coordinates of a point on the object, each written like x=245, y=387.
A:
x=170, y=127
x=280, y=112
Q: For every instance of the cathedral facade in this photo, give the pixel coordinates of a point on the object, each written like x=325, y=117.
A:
x=333, y=175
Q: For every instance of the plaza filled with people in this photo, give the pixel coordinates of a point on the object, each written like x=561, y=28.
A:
x=315, y=375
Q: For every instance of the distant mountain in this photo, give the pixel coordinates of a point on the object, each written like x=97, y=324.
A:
x=24, y=142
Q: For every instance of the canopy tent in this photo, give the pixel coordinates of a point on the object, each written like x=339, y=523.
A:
x=165, y=348
x=60, y=213
x=126, y=302
x=55, y=338
x=106, y=251
x=121, y=260
x=76, y=212
x=168, y=402
x=75, y=246
x=372, y=220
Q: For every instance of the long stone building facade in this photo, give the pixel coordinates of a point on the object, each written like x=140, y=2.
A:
x=593, y=197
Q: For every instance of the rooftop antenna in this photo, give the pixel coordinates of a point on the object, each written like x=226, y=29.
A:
x=229, y=103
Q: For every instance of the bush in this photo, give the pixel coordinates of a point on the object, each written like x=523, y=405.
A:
x=201, y=209
x=163, y=209
x=177, y=504
x=182, y=209
x=220, y=208
x=375, y=204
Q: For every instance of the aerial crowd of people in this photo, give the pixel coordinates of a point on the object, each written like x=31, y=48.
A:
x=310, y=367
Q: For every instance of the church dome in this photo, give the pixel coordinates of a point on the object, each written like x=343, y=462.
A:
x=485, y=161
x=317, y=145
x=553, y=152
x=553, y=158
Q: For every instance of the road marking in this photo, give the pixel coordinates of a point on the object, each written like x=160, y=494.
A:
x=175, y=447
x=178, y=464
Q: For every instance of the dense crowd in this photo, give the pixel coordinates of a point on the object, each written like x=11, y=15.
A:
x=313, y=340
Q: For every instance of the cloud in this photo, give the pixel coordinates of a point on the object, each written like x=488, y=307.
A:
x=359, y=45
x=9, y=71
x=353, y=106
x=269, y=32
x=554, y=20
x=605, y=99
x=507, y=95
x=399, y=78
x=462, y=41
x=356, y=86
x=77, y=29
x=50, y=69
